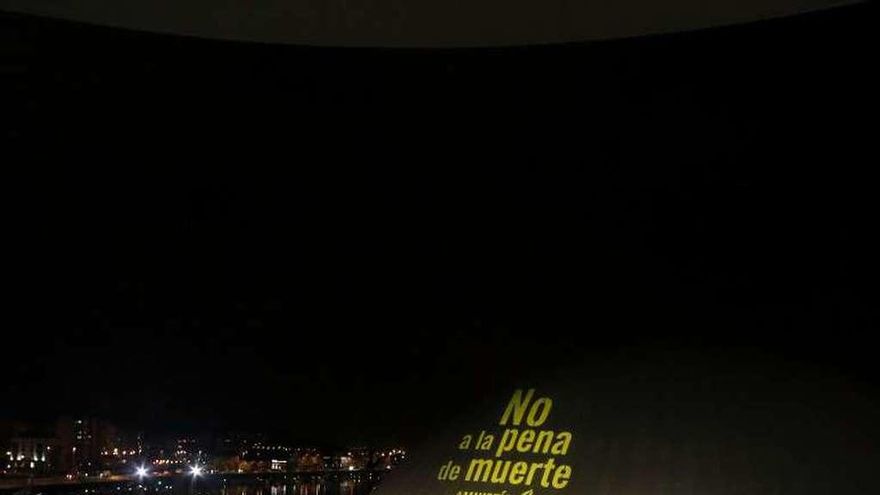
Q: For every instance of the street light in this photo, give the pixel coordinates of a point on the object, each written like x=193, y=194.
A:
x=142, y=472
x=195, y=471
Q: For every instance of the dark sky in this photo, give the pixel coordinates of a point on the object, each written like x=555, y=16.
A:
x=425, y=23
x=322, y=242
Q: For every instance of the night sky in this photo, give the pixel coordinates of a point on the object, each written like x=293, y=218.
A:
x=425, y=23
x=321, y=242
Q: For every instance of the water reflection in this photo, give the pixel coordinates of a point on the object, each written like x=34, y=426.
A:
x=317, y=487
x=359, y=484
x=310, y=487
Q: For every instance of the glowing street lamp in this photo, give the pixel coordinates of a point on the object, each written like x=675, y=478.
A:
x=196, y=471
x=142, y=472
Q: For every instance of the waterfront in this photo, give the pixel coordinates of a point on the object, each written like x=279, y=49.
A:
x=355, y=483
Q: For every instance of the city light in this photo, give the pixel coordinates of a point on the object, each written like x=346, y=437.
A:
x=141, y=471
x=196, y=470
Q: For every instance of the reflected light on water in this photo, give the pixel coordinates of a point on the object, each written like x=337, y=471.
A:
x=310, y=485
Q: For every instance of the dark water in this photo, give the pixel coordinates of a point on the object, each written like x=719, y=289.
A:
x=331, y=484
x=315, y=487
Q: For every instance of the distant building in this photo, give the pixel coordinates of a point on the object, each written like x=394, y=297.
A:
x=32, y=455
x=189, y=451
x=387, y=459
x=309, y=461
x=333, y=462
x=265, y=451
x=121, y=450
x=90, y=445
x=236, y=443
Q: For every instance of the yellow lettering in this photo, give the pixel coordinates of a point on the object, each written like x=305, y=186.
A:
x=517, y=406
x=534, y=467
x=518, y=472
x=543, y=405
x=478, y=468
x=551, y=464
x=542, y=445
x=508, y=440
x=561, y=477
x=524, y=444
x=563, y=440
x=499, y=475
x=454, y=472
x=465, y=442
